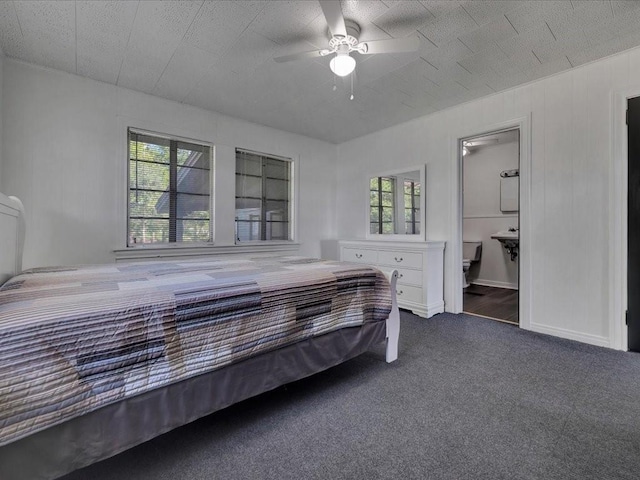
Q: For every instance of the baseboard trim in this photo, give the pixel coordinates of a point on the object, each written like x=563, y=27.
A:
x=491, y=283
x=570, y=335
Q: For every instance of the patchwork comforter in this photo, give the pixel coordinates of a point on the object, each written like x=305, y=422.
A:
x=75, y=339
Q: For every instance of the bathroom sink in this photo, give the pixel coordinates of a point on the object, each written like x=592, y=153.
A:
x=505, y=235
x=509, y=240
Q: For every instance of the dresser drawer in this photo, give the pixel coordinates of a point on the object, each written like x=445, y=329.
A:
x=408, y=293
x=400, y=259
x=409, y=277
x=359, y=255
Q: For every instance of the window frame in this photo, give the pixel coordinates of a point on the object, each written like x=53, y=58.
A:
x=415, y=219
x=381, y=208
x=170, y=138
x=292, y=199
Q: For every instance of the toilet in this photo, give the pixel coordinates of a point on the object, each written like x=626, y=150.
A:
x=471, y=252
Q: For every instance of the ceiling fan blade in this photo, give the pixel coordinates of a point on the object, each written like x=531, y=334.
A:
x=299, y=56
x=392, y=45
x=333, y=13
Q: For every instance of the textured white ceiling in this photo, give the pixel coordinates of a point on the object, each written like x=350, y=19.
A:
x=219, y=54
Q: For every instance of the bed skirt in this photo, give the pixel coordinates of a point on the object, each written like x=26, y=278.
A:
x=112, y=429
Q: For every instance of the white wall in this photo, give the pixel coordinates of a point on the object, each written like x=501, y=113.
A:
x=64, y=155
x=571, y=158
x=482, y=216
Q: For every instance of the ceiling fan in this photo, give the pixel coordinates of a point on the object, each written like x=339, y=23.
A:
x=344, y=40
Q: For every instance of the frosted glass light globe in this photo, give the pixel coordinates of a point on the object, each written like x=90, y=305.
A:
x=342, y=64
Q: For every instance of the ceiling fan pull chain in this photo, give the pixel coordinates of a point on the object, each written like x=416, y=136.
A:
x=352, y=74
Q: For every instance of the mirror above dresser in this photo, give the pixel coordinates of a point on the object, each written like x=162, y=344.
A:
x=396, y=207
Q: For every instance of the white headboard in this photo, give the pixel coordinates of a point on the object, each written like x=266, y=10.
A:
x=12, y=231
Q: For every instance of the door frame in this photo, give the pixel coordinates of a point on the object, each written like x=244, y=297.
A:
x=618, y=193
x=454, y=284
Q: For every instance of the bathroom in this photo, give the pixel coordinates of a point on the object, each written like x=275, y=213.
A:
x=490, y=223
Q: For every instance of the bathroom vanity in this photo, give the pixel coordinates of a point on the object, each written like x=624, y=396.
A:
x=420, y=268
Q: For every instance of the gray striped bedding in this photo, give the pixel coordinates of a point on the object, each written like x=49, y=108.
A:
x=75, y=339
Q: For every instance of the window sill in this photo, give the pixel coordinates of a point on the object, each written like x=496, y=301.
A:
x=148, y=252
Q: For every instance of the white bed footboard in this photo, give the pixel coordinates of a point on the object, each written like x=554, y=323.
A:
x=12, y=232
x=393, y=322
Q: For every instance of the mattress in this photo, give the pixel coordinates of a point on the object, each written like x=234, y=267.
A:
x=73, y=340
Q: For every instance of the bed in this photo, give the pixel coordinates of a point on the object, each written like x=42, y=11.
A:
x=99, y=358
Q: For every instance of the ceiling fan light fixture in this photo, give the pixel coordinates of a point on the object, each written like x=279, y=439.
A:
x=342, y=64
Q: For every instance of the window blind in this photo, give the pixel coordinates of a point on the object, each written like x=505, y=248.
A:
x=169, y=190
x=263, y=197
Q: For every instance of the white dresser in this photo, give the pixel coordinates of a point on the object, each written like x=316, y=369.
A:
x=420, y=270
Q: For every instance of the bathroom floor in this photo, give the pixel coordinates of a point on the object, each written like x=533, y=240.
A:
x=497, y=303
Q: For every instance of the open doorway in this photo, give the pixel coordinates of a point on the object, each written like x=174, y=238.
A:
x=491, y=224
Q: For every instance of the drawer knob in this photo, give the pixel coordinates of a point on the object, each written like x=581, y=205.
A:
x=358, y=255
x=398, y=259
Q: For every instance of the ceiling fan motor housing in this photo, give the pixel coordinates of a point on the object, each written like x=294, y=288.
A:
x=345, y=38
x=351, y=40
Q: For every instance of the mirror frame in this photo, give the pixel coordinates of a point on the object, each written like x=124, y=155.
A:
x=399, y=237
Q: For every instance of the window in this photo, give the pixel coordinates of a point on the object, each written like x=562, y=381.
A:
x=169, y=190
x=411, y=207
x=381, y=217
x=263, y=197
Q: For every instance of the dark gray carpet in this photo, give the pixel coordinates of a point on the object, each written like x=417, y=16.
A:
x=469, y=398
